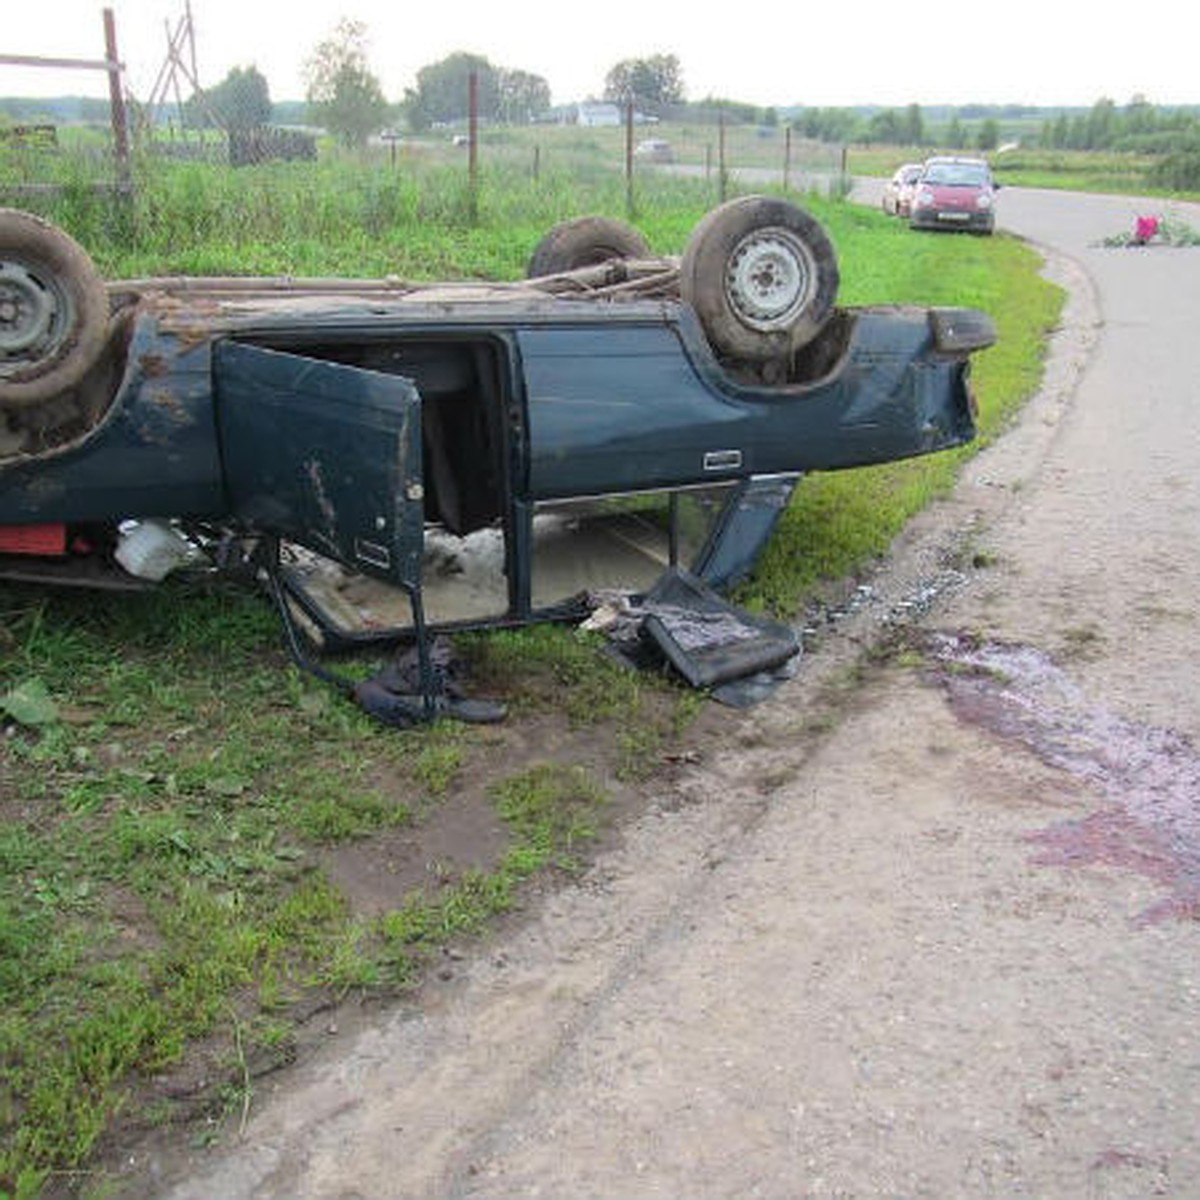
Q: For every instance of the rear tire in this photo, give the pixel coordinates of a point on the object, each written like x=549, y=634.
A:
x=585, y=242
x=53, y=311
x=762, y=277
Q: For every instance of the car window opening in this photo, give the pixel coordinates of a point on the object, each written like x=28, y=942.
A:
x=464, y=405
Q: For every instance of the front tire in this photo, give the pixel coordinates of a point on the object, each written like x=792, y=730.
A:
x=53, y=311
x=762, y=276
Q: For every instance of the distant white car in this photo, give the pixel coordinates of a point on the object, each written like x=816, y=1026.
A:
x=898, y=191
x=654, y=150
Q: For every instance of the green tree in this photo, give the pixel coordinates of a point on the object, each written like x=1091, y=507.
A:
x=913, y=125
x=1055, y=134
x=888, y=127
x=720, y=108
x=653, y=84
x=1101, y=124
x=1139, y=117
x=241, y=100
x=343, y=95
x=520, y=96
x=988, y=137
x=828, y=124
x=905, y=128
x=1179, y=172
x=442, y=93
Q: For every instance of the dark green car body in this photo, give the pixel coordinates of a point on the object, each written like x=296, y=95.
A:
x=352, y=422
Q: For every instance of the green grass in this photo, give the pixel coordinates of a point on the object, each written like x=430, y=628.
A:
x=174, y=791
x=161, y=841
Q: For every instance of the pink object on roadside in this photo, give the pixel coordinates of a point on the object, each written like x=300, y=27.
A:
x=1144, y=229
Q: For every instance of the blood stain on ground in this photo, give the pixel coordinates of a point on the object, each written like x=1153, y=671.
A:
x=1147, y=778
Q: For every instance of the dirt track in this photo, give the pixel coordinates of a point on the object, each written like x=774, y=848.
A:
x=948, y=947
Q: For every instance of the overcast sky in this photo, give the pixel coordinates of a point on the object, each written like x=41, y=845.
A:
x=766, y=52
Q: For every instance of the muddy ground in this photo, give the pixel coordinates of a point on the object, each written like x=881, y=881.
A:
x=924, y=924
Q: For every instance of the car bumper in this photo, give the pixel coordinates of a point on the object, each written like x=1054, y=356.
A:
x=956, y=218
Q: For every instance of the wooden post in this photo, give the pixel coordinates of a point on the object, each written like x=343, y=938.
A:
x=722, y=172
x=473, y=144
x=116, y=96
x=629, y=157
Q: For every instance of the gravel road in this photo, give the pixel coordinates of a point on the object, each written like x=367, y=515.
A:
x=946, y=948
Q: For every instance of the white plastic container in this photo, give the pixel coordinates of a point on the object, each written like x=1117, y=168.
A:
x=152, y=550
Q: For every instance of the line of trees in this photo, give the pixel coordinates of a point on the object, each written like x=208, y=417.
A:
x=1171, y=135
x=653, y=84
x=907, y=126
x=1139, y=127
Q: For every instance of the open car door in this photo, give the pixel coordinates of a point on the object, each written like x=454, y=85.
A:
x=324, y=455
x=328, y=456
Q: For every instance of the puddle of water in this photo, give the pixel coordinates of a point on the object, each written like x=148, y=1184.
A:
x=1147, y=778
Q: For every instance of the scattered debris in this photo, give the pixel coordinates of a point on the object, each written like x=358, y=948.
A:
x=895, y=611
x=399, y=694
x=1152, y=229
x=29, y=703
x=740, y=658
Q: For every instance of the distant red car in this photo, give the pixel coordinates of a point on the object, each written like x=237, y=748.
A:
x=898, y=191
x=955, y=193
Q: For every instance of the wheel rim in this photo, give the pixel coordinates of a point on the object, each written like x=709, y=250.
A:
x=35, y=313
x=770, y=280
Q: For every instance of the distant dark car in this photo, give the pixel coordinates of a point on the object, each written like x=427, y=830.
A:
x=897, y=192
x=615, y=410
x=955, y=193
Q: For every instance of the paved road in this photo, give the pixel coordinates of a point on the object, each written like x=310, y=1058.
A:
x=947, y=948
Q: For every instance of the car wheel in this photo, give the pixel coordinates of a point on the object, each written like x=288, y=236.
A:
x=53, y=310
x=762, y=277
x=585, y=242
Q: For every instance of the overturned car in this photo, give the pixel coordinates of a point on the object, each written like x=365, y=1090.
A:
x=492, y=453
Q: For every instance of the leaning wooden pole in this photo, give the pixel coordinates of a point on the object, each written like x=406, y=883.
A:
x=116, y=97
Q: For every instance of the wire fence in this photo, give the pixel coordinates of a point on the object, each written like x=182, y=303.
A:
x=171, y=169
x=72, y=142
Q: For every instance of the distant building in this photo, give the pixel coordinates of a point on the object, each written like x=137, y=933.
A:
x=593, y=114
